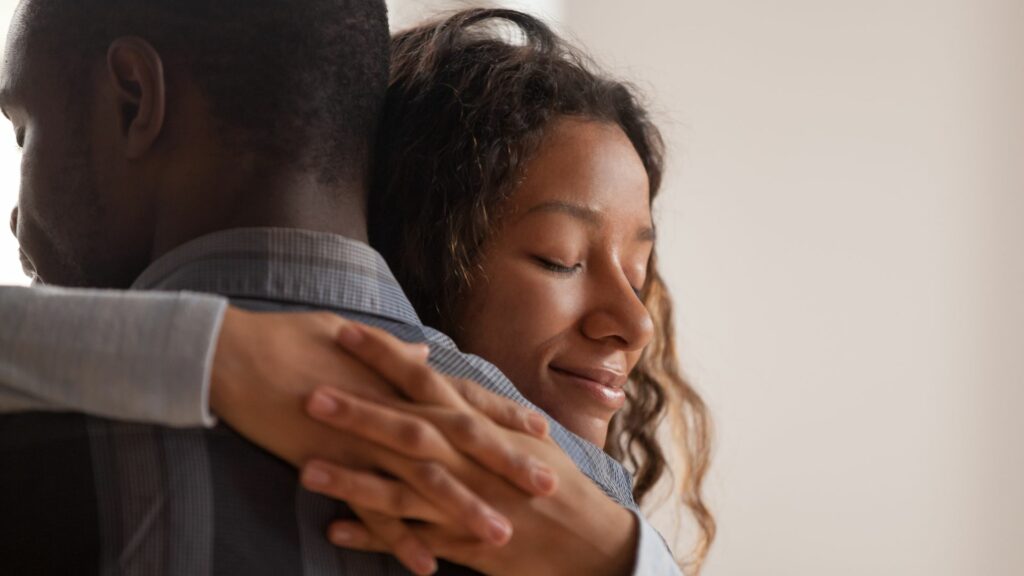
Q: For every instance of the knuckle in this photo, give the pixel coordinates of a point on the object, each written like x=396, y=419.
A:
x=412, y=434
x=397, y=501
x=433, y=476
x=521, y=463
x=513, y=413
x=474, y=511
x=348, y=484
x=466, y=429
x=422, y=375
x=469, y=390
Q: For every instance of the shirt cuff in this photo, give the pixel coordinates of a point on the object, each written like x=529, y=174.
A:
x=197, y=327
x=132, y=356
x=653, y=556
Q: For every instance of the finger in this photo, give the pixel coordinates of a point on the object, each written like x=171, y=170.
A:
x=368, y=491
x=355, y=536
x=495, y=449
x=436, y=484
x=469, y=431
x=403, y=364
x=397, y=539
x=504, y=411
x=399, y=363
x=399, y=431
x=418, y=468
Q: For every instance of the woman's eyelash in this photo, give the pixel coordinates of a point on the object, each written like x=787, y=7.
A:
x=562, y=269
x=556, y=267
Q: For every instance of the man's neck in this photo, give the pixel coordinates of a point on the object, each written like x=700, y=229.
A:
x=284, y=200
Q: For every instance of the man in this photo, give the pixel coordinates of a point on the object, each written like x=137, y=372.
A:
x=217, y=147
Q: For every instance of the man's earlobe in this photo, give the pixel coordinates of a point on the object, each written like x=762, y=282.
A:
x=136, y=72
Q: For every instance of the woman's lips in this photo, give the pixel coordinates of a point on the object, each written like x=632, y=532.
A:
x=604, y=386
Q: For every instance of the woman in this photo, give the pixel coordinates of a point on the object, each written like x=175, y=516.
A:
x=530, y=179
x=493, y=158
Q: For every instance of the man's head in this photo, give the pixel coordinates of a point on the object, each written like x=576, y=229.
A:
x=140, y=115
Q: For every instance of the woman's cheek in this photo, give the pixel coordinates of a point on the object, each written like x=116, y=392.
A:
x=544, y=302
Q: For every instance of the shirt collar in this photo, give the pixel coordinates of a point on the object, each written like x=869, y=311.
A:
x=285, y=265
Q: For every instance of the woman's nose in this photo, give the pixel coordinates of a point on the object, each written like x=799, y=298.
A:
x=619, y=317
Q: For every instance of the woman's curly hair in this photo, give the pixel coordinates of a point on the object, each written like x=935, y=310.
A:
x=467, y=107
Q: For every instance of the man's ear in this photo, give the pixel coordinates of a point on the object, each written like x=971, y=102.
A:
x=136, y=73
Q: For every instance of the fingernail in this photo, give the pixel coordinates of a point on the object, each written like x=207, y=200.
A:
x=425, y=563
x=543, y=478
x=322, y=405
x=536, y=424
x=341, y=535
x=315, y=475
x=498, y=529
x=349, y=335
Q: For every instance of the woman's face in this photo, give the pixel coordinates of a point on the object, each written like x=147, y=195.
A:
x=555, y=306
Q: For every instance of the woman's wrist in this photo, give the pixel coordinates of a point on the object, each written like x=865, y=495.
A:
x=225, y=359
x=605, y=534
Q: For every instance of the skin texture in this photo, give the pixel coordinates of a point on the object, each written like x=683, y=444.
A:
x=58, y=184
x=555, y=305
x=135, y=166
x=577, y=530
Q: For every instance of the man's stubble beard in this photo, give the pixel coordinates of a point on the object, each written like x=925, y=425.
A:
x=77, y=230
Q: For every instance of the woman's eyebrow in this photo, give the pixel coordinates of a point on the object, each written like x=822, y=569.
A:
x=591, y=216
x=587, y=214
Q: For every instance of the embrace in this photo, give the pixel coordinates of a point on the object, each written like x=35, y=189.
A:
x=313, y=300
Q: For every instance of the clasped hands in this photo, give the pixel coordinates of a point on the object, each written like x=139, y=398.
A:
x=433, y=466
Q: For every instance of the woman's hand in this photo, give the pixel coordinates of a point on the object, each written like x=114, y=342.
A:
x=266, y=366
x=577, y=530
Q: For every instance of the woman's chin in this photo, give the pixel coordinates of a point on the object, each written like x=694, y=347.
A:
x=592, y=428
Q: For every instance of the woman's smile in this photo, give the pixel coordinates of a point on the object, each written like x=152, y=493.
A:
x=606, y=387
x=555, y=305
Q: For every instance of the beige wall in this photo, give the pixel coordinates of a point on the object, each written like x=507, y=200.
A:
x=842, y=228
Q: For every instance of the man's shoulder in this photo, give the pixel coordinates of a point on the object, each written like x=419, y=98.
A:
x=446, y=357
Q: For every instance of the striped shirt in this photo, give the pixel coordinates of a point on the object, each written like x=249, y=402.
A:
x=82, y=495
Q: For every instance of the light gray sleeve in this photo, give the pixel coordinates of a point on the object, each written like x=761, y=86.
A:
x=136, y=356
x=653, y=556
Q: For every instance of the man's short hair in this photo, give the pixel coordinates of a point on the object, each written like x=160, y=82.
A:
x=300, y=80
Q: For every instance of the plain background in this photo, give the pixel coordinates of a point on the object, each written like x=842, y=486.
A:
x=841, y=226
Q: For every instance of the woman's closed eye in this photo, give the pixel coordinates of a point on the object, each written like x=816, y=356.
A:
x=566, y=270
x=558, y=267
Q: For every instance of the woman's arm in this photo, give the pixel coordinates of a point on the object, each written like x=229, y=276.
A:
x=169, y=359
x=577, y=530
x=143, y=357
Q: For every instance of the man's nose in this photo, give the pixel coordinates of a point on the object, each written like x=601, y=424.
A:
x=14, y=221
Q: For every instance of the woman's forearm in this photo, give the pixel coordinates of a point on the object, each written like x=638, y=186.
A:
x=136, y=356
